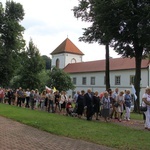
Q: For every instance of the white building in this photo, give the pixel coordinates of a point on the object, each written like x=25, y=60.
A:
x=92, y=74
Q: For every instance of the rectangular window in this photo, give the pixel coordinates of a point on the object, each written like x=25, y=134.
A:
x=74, y=80
x=92, y=80
x=84, y=80
x=132, y=79
x=117, y=80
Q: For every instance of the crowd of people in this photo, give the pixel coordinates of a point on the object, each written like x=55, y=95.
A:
x=91, y=105
x=84, y=104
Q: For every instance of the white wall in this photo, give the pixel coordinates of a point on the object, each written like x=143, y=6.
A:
x=65, y=58
x=99, y=80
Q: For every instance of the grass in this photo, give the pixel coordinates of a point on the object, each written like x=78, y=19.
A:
x=108, y=134
x=137, y=116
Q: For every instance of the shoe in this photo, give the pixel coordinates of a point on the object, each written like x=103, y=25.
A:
x=97, y=119
x=128, y=119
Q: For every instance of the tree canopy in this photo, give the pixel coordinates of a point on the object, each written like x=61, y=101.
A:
x=11, y=39
x=60, y=80
x=31, y=66
x=124, y=24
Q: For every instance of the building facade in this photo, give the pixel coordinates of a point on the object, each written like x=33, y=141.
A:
x=92, y=74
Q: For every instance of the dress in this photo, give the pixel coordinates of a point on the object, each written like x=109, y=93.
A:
x=96, y=103
x=80, y=104
x=106, y=107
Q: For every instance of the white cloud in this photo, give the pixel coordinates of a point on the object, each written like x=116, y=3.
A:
x=49, y=22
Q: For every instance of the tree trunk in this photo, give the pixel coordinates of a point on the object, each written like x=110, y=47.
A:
x=138, y=60
x=107, y=68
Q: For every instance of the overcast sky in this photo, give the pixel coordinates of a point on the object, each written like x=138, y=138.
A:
x=50, y=22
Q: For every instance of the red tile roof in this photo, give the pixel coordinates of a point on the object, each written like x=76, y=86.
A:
x=99, y=65
x=67, y=47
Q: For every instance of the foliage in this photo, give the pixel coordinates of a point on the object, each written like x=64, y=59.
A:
x=60, y=80
x=44, y=78
x=96, y=32
x=126, y=24
x=32, y=64
x=108, y=134
x=47, y=61
x=11, y=39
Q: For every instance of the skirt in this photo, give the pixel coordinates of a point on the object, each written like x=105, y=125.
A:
x=105, y=112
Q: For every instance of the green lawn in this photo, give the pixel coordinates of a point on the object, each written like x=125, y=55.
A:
x=108, y=134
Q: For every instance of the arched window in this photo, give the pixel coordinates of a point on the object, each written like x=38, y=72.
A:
x=73, y=60
x=57, y=63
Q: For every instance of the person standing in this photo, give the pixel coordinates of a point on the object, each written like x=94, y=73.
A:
x=37, y=99
x=80, y=104
x=75, y=97
x=19, y=96
x=2, y=94
x=62, y=103
x=127, y=98
x=120, y=101
x=96, y=103
x=88, y=103
x=146, y=100
x=32, y=99
x=10, y=96
x=114, y=106
x=42, y=100
x=57, y=99
x=27, y=98
x=106, y=106
x=51, y=99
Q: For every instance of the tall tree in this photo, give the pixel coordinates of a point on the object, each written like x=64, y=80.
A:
x=60, y=80
x=96, y=32
x=130, y=29
x=127, y=24
x=32, y=64
x=11, y=39
x=47, y=61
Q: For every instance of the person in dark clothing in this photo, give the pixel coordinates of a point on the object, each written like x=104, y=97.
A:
x=80, y=104
x=88, y=103
x=96, y=103
x=57, y=99
x=32, y=99
x=19, y=96
x=10, y=96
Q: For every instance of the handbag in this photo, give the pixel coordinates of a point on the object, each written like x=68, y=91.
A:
x=116, y=104
x=143, y=108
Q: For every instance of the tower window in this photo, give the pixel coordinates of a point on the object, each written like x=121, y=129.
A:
x=57, y=63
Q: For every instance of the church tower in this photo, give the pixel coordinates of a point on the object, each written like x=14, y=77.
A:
x=66, y=53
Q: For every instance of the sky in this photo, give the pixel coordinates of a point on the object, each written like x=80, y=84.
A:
x=49, y=22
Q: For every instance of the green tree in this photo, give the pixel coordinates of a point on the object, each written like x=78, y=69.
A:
x=11, y=39
x=60, y=80
x=130, y=29
x=96, y=32
x=47, y=61
x=44, y=78
x=128, y=25
x=32, y=65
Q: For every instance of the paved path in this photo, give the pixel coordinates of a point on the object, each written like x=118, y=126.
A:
x=17, y=136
